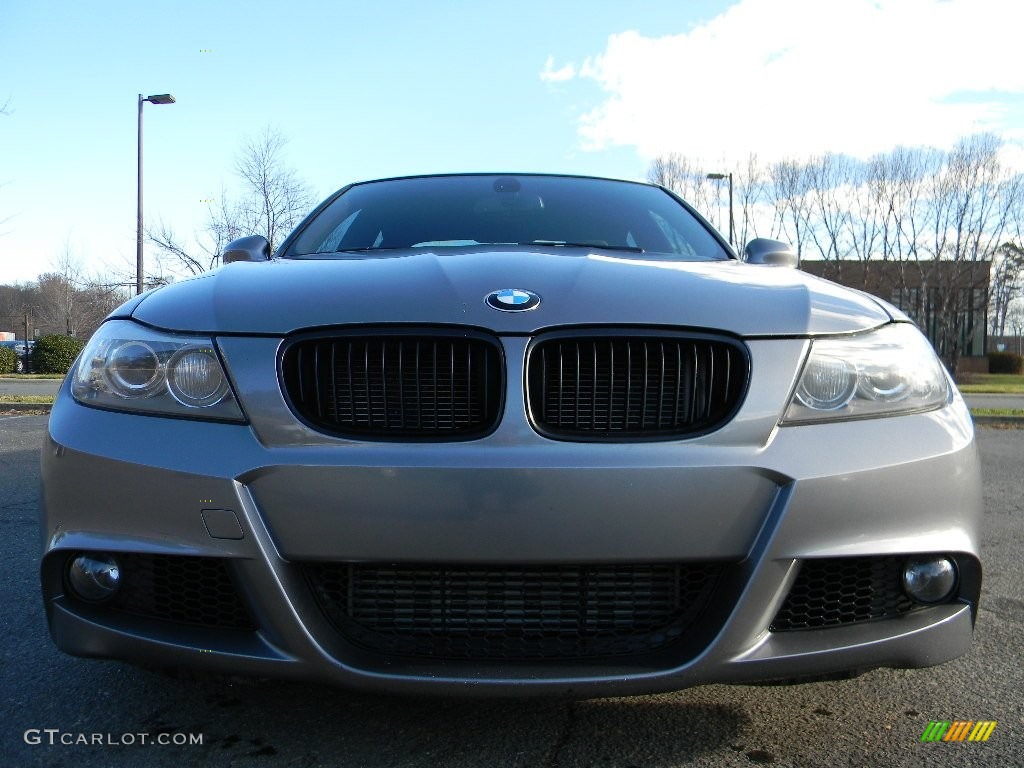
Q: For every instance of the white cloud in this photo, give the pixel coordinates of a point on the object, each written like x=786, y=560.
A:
x=789, y=78
x=561, y=75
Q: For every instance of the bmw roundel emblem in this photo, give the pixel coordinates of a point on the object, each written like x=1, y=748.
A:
x=513, y=300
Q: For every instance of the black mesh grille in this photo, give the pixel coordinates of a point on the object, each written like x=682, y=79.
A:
x=847, y=590
x=188, y=590
x=512, y=613
x=623, y=386
x=396, y=385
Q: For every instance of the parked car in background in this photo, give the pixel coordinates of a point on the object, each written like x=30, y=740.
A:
x=22, y=350
x=497, y=433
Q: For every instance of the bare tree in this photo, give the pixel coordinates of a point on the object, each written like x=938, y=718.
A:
x=1015, y=322
x=972, y=202
x=688, y=178
x=865, y=224
x=1006, y=285
x=829, y=178
x=279, y=199
x=789, y=184
x=675, y=172
x=67, y=301
x=751, y=185
x=935, y=220
x=272, y=202
x=64, y=300
x=12, y=305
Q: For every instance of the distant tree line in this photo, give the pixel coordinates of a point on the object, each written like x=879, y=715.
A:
x=63, y=302
x=913, y=206
x=271, y=202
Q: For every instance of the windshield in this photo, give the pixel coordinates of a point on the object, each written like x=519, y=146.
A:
x=449, y=211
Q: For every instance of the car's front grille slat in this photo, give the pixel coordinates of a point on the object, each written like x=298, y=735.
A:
x=617, y=387
x=691, y=413
x=512, y=613
x=396, y=385
x=319, y=393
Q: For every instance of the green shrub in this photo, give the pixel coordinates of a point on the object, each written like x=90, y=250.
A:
x=8, y=360
x=54, y=353
x=1005, y=362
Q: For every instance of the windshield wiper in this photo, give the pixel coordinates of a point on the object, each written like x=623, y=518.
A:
x=601, y=246
x=368, y=248
x=547, y=243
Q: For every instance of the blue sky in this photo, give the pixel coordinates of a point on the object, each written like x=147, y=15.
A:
x=368, y=90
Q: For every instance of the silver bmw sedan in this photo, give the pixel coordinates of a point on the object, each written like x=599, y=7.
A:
x=525, y=434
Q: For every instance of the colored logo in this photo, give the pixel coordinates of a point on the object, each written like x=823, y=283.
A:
x=958, y=730
x=513, y=300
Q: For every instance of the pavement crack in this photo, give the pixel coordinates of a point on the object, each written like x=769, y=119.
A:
x=1006, y=608
x=554, y=758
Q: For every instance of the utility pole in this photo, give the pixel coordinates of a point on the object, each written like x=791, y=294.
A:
x=25, y=366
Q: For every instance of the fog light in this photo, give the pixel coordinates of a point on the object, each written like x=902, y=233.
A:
x=94, y=576
x=929, y=579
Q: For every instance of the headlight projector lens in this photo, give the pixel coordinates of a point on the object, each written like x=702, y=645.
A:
x=134, y=369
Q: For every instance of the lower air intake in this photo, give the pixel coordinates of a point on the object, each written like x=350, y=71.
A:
x=513, y=613
x=186, y=590
x=834, y=592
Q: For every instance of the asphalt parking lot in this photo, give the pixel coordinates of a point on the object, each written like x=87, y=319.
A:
x=876, y=719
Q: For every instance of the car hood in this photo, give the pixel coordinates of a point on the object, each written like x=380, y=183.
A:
x=448, y=286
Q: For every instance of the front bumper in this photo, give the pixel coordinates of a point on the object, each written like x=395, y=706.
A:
x=753, y=497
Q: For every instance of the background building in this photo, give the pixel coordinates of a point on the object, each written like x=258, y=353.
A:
x=947, y=299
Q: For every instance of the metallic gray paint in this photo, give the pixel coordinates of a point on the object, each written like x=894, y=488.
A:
x=752, y=493
x=835, y=492
x=579, y=288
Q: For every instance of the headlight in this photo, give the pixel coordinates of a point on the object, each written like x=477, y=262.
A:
x=127, y=367
x=889, y=371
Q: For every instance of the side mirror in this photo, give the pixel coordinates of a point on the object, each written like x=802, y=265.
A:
x=252, y=248
x=761, y=250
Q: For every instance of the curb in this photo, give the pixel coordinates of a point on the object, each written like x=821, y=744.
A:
x=5, y=407
x=1016, y=421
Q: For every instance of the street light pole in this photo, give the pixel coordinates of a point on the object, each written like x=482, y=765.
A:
x=138, y=221
x=732, y=221
x=161, y=98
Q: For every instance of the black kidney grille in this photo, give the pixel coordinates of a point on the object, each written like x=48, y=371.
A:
x=187, y=590
x=512, y=613
x=396, y=385
x=618, y=387
x=838, y=591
